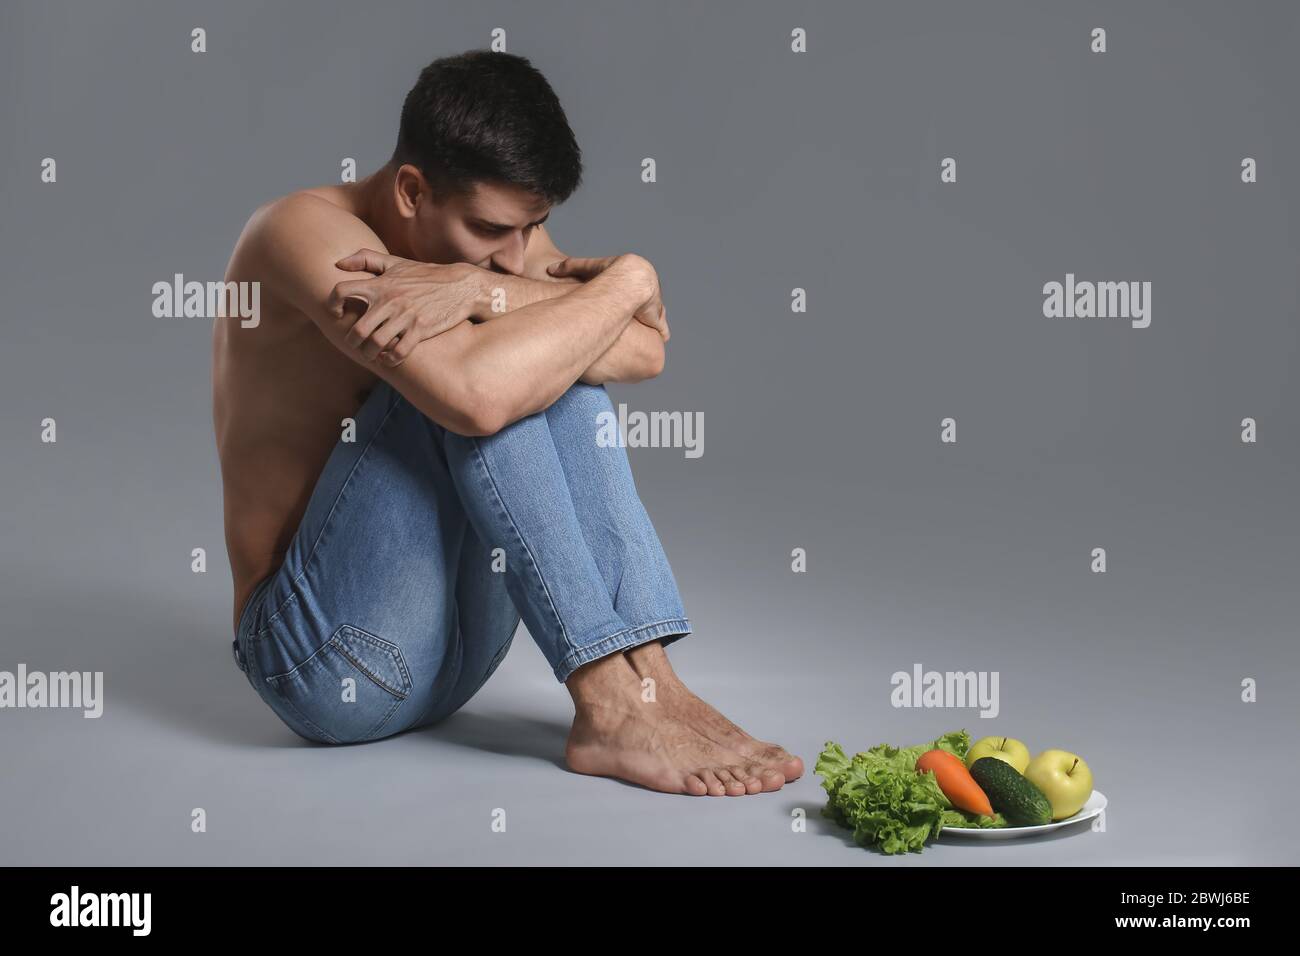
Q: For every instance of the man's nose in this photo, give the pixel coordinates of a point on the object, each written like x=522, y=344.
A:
x=511, y=258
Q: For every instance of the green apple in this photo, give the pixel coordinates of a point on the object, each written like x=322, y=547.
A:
x=1003, y=748
x=1064, y=779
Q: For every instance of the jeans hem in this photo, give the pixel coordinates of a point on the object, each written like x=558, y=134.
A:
x=676, y=626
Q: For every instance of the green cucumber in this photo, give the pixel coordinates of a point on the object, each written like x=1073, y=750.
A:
x=1013, y=796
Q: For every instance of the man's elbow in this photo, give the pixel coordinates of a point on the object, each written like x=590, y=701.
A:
x=647, y=364
x=481, y=414
x=650, y=363
x=488, y=423
x=658, y=358
x=459, y=408
x=477, y=422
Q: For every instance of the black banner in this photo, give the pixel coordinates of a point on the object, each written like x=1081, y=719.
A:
x=339, y=904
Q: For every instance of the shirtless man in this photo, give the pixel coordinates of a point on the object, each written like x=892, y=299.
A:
x=408, y=453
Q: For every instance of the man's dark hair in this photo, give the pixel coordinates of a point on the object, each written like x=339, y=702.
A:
x=488, y=116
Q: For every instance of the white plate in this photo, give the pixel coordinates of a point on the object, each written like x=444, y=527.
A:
x=1095, y=805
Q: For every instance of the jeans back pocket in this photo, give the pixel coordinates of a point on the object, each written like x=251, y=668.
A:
x=349, y=689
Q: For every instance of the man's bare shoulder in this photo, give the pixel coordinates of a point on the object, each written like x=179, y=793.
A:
x=290, y=246
x=304, y=222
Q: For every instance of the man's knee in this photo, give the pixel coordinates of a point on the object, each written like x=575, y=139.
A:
x=583, y=396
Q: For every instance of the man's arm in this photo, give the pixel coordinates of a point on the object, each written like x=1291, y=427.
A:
x=474, y=378
x=638, y=352
x=390, y=331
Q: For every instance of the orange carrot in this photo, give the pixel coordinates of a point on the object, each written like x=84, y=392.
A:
x=955, y=781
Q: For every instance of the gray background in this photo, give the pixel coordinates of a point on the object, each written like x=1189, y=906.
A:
x=822, y=430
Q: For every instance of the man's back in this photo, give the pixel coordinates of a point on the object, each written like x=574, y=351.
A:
x=280, y=391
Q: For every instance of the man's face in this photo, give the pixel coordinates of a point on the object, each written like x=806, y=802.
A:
x=488, y=227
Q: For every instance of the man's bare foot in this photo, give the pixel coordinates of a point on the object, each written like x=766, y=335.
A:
x=618, y=734
x=650, y=660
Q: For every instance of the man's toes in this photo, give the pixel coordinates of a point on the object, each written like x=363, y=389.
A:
x=695, y=786
x=746, y=776
x=735, y=786
x=783, y=760
x=769, y=778
x=793, y=767
x=716, y=787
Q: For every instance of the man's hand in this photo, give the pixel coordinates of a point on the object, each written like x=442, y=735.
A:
x=406, y=302
x=652, y=313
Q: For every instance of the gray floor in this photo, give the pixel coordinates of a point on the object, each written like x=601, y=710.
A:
x=1193, y=775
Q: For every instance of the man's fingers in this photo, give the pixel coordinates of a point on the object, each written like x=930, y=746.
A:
x=399, y=351
x=654, y=315
x=367, y=260
x=361, y=289
x=366, y=326
x=387, y=335
x=361, y=329
x=567, y=266
x=579, y=267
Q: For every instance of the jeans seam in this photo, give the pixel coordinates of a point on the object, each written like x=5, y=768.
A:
x=343, y=489
x=250, y=613
x=262, y=686
x=532, y=561
x=383, y=647
x=325, y=737
x=493, y=664
x=273, y=682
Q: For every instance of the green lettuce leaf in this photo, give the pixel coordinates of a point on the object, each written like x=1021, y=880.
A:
x=888, y=805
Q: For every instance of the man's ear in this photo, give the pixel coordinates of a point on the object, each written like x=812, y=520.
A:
x=409, y=186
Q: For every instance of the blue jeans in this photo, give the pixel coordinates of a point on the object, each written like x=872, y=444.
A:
x=420, y=550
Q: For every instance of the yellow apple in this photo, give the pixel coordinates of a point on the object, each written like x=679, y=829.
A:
x=1003, y=748
x=1064, y=779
